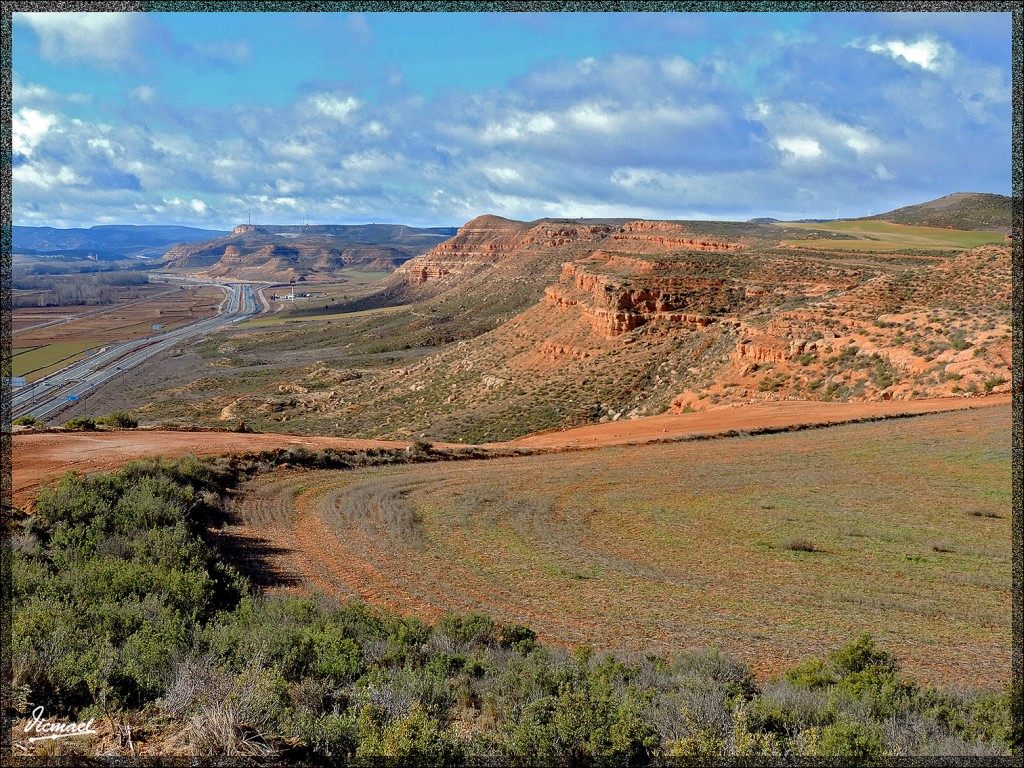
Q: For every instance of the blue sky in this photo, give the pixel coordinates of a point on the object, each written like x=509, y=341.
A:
x=433, y=119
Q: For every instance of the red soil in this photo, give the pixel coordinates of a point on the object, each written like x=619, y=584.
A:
x=43, y=457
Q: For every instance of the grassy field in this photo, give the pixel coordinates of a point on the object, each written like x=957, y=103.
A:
x=884, y=236
x=35, y=362
x=770, y=547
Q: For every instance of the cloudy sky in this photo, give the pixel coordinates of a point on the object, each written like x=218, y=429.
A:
x=433, y=119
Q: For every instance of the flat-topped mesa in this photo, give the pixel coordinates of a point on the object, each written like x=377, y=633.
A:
x=639, y=236
x=490, y=240
x=480, y=243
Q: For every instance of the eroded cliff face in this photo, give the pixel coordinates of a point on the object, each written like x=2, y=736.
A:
x=664, y=236
x=488, y=241
x=614, y=307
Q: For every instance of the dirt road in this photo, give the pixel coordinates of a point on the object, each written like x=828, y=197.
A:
x=740, y=417
x=42, y=457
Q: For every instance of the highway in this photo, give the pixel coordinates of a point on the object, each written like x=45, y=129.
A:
x=49, y=394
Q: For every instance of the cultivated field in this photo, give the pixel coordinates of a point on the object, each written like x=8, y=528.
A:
x=884, y=236
x=771, y=547
x=48, y=338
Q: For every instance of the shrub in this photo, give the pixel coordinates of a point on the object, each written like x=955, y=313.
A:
x=861, y=655
x=800, y=544
x=519, y=638
x=26, y=421
x=416, y=739
x=118, y=419
x=471, y=630
x=80, y=423
x=421, y=447
x=851, y=739
x=994, y=382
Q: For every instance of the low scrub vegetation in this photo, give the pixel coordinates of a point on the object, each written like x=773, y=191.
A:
x=80, y=424
x=122, y=603
x=118, y=420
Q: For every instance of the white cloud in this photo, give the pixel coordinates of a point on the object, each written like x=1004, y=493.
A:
x=800, y=147
x=926, y=53
x=503, y=175
x=28, y=127
x=518, y=126
x=372, y=161
x=30, y=92
x=678, y=69
x=194, y=205
x=103, y=39
x=43, y=179
x=882, y=173
x=593, y=117
x=332, y=106
x=144, y=93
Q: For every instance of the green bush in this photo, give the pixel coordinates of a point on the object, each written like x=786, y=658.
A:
x=118, y=419
x=26, y=421
x=80, y=423
x=414, y=740
x=471, y=630
x=516, y=636
x=851, y=739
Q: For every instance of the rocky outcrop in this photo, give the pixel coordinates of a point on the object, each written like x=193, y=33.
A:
x=615, y=308
x=487, y=241
x=664, y=236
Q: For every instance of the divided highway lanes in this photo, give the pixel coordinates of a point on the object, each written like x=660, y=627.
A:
x=49, y=394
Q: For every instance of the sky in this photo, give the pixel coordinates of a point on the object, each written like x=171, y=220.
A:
x=432, y=119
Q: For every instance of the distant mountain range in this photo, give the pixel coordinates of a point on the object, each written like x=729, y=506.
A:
x=276, y=252
x=106, y=242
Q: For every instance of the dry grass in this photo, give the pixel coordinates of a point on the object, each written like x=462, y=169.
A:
x=681, y=546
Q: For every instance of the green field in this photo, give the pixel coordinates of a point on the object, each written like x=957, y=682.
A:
x=883, y=236
x=35, y=362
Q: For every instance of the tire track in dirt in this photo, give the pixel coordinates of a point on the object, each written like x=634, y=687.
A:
x=367, y=582
x=359, y=561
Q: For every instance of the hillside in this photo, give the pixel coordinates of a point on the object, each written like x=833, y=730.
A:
x=106, y=241
x=511, y=327
x=303, y=252
x=960, y=210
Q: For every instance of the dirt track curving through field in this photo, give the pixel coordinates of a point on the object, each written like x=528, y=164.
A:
x=39, y=458
x=660, y=547
x=679, y=545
